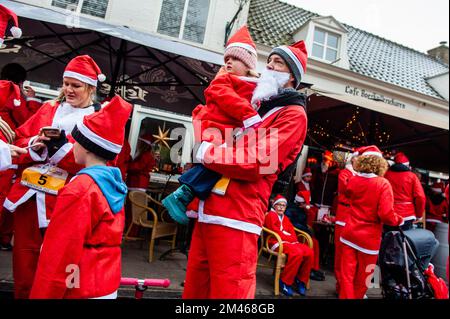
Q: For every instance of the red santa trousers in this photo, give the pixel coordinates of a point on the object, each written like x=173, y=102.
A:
x=27, y=244
x=337, y=255
x=300, y=259
x=222, y=263
x=316, y=247
x=357, y=269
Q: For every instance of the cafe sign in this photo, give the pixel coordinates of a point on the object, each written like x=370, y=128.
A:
x=373, y=96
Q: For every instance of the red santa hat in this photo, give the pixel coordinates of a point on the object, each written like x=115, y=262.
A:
x=438, y=187
x=103, y=133
x=242, y=47
x=5, y=15
x=84, y=69
x=296, y=57
x=401, y=158
x=303, y=197
x=307, y=172
x=279, y=199
x=8, y=91
x=372, y=150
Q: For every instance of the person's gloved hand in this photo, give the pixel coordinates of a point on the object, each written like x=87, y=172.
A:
x=54, y=144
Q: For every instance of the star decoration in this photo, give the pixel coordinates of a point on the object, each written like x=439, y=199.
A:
x=163, y=136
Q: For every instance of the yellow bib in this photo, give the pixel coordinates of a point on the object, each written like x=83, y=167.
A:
x=45, y=178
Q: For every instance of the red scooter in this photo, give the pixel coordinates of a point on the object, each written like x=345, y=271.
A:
x=141, y=285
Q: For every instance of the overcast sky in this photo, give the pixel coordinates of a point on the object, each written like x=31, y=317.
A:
x=417, y=24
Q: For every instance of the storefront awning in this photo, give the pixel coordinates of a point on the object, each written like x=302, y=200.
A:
x=384, y=108
x=145, y=69
x=123, y=32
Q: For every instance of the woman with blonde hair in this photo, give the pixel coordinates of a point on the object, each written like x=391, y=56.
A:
x=371, y=205
x=48, y=165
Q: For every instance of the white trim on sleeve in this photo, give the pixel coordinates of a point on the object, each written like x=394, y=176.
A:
x=252, y=121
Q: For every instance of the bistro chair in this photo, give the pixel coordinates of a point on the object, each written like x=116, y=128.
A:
x=281, y=258
x=151, y=218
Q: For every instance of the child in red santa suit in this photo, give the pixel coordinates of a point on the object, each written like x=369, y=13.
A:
x=32, y=197
x=300, y=257
x=372, y=205
x=81, y=253
x=230, y=104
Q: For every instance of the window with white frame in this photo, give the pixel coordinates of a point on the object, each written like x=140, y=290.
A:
x=184, y=19
x=325, y=45
x=96, y=8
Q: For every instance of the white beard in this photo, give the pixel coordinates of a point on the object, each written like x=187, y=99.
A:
x=268, y=85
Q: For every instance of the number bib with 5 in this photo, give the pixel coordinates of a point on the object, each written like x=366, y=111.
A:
x=44, y=178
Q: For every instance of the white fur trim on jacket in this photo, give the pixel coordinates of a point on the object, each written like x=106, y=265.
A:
x=10, y=206
x=5, y=156
x=361, y=249
x=252, y=121
x=34, y=155
x=227, y=222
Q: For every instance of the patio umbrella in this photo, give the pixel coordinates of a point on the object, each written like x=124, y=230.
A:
x=136, y=68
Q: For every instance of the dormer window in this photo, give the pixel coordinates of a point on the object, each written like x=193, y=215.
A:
x=325, y=45
x=95, y=8
x=184, y=19
x=326, y=39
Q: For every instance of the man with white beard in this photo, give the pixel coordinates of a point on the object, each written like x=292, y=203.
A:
x=7, y=152
x=224, y=247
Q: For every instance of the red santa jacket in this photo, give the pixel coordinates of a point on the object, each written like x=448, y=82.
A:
x=343, y=208
x=437, y=209
x=83, y=234
x=63, y=159
x=139, y=171
x=245, y=203
x=15, y=116
x=409, y=196
x=372, y=205
x=282, y=226
x=227, y=107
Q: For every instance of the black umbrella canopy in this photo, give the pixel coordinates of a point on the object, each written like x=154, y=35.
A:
x=332, y=122
x=142, y=75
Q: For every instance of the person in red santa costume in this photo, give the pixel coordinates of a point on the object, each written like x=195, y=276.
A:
x=48, y=165
x=437, y=207
x=372, y=205
x=304, y=186
x=228, y=106
x=7, y=153
x=224, y=247
x=81, y=253
x=138, y=176
x=298, y=215
x=409, y=196
x=300, y=257
x=342, y=213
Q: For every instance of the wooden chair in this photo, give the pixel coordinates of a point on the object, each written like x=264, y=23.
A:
x=157, y=223
x=281, y=258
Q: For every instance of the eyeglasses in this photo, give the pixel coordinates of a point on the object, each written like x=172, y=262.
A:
x=281, y=205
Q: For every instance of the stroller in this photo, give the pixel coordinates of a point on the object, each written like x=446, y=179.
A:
x=404, y=263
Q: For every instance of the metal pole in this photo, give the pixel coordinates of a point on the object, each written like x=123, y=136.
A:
x=408, y=278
